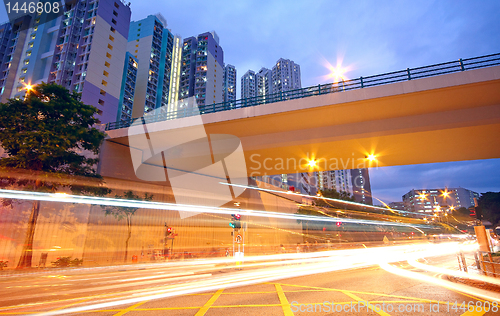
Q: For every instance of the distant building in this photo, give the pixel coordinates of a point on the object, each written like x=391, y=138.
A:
x=263, y=82
x=175, y=75
x=16, y=43
x=152, y=44
x=129, y=78
x=285, y=76
x=428, y=200
x=202, y=69
x=248, y=85
x=89, y=53
x=356, y=182
x=301, y=182
x=397, y=206
x=229, y=84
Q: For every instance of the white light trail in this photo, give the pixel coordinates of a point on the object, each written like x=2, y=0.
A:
x=302, y=264
x=67, y=198
x=490, y=296
x=322, y=198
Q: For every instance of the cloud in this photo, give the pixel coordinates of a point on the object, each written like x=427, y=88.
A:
x=391, y=183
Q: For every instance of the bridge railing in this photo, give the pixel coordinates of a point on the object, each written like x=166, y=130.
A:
x=343, y=85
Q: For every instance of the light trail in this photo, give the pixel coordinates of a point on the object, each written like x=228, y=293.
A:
x=323, y=198
x=455, y=273
x=490, y=296
x=282, y=266
x=67, y=198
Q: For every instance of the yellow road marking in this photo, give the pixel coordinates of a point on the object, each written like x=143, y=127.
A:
x=359, y=299
x=416, y=299
x=129, y=309
x=287, y=310
x=473, y=313
x=207, y=305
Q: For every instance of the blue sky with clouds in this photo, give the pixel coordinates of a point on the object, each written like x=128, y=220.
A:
x=370, y=37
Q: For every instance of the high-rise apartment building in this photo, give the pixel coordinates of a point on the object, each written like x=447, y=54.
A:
x=152, y=44
x=202, y=69
x=430, y=200
x=229, y=85
x=26, y=52
x=175, y=75
x=248, y=84
x=285, y=76
x=263, y=82
x=90, y=52
x=129, y=78
x=356, y=182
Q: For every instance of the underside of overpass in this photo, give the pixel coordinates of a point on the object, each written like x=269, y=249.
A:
x=452, y=117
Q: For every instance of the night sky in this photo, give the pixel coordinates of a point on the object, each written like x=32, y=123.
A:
x=367, y=37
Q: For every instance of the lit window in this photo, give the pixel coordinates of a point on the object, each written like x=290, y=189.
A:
x=110, y=47
x=112, y=38
x=105, y=73
x=107, y=64
x=104, y=83
x=108, y=55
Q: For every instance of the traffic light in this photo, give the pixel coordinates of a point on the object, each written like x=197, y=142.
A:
x=472, y=210
x=339, y=224
x=169, y=231
x=235, y=221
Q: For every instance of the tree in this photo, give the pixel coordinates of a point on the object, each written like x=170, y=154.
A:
x=489, y=203
x=463, y=210
x=123, y=212
x=332, y=194
x=47, y=134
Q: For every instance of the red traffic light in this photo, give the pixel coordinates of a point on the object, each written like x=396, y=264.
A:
x=169, y=230
x=339, y=223
x=236, y=216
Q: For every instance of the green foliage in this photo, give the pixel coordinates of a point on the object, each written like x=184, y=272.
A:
x=67, y=262
x=46, y=133
x=121, y=212
x=489, y=203
x=463, y=211
x=332, y=194
x=3, y=264
x=45, y=136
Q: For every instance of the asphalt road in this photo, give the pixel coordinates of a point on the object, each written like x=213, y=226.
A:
x=141, y=291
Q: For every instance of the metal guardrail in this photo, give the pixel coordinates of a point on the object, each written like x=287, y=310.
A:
x=358, y=83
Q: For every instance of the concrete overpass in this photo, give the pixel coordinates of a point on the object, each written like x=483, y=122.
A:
x=450, y=117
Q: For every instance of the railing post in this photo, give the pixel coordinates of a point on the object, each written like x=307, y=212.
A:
x=361, y=78
x=319, y=89
x=408, y=72
x=461, y=64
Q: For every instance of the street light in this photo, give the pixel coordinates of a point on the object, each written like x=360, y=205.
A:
x=312, y=163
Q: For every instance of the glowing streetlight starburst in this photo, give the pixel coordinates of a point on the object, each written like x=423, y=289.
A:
x=337, y=73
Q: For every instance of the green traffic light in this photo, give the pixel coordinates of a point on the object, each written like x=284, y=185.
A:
x=232, y=225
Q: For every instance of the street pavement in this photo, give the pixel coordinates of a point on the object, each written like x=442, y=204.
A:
x=140, y=291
